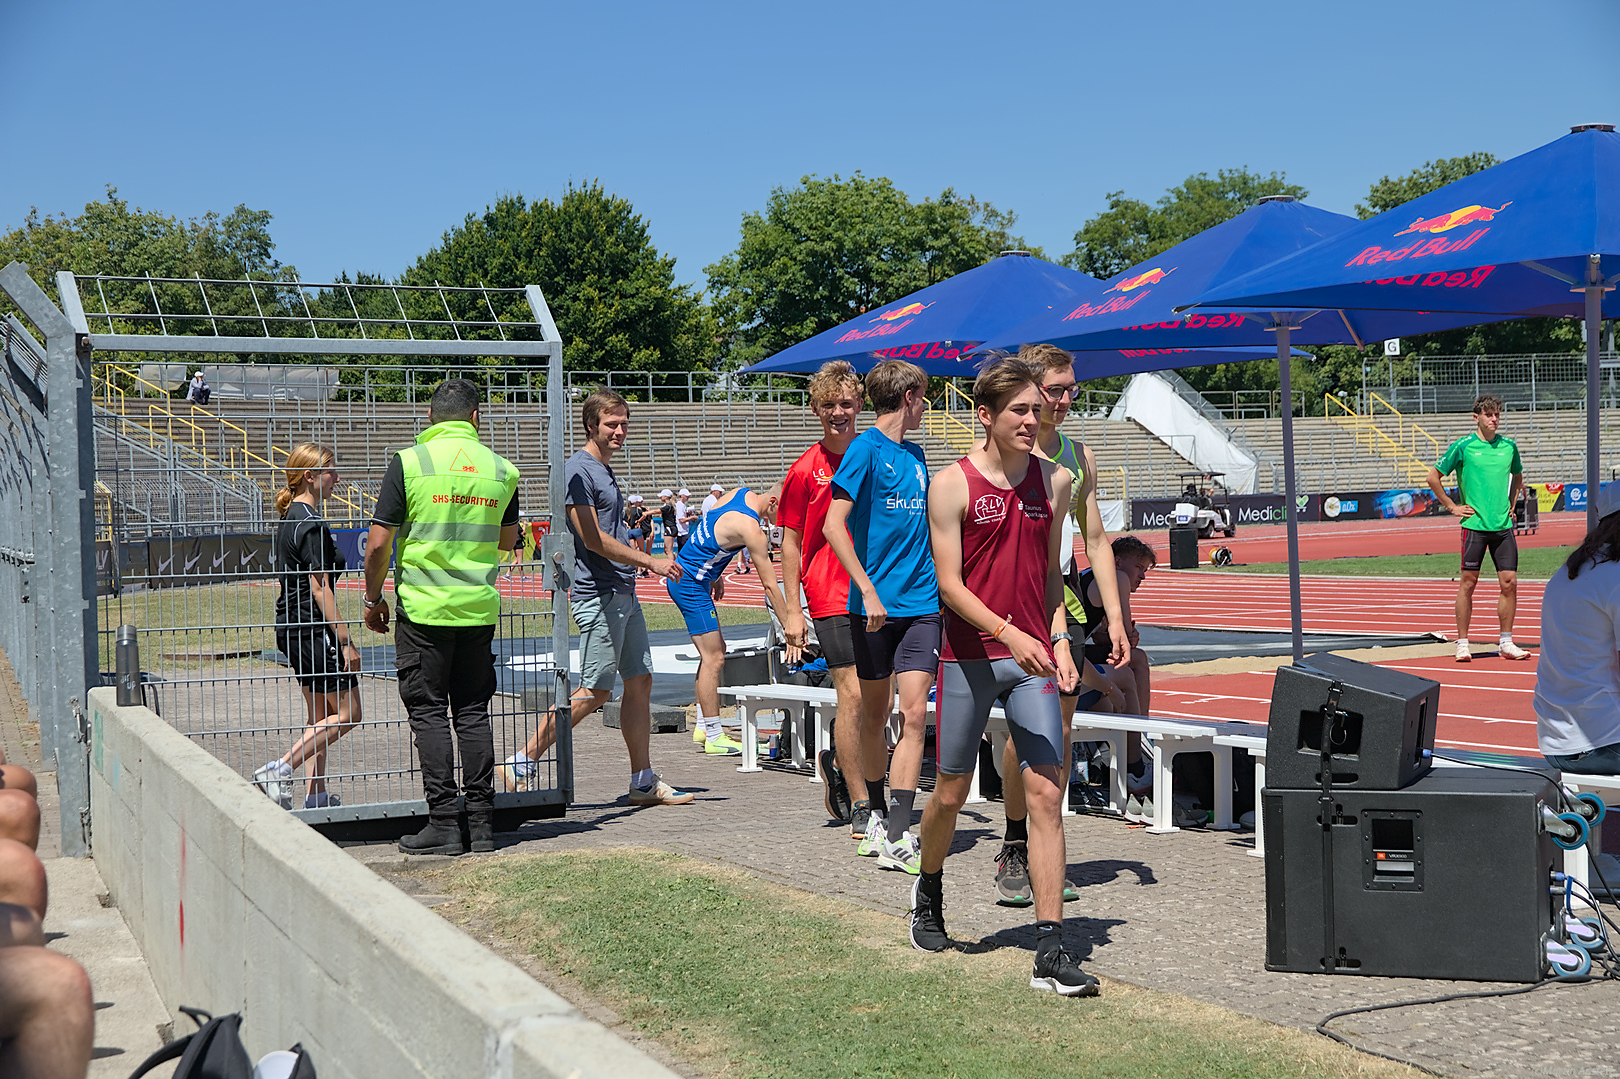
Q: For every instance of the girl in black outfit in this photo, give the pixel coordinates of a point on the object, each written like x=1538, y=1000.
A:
x=310, y=631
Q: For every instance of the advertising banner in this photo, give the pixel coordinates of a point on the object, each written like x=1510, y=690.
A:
x=1575, y=496
x=1549, y=496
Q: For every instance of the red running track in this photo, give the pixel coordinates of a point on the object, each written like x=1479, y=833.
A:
x=1360, y=539
x=1484, y=705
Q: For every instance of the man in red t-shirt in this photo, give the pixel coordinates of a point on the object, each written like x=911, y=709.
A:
x=835, y=397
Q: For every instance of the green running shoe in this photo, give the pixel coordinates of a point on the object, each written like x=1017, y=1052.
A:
x=722, y=746
x=872, y=842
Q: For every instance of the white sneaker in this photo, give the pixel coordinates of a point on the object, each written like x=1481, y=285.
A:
x=515, y=776
x=1511, y=651
x=275, y=780
x=1462, y=652
x=904, y=855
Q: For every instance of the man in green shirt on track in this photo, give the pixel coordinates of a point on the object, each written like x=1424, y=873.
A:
x=1489, y=478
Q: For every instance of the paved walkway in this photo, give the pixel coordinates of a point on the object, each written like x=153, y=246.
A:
x=130, y=1019
x=1183, y=913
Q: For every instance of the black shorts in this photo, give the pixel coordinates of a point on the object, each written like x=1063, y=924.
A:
x=1504, y=548
x=836, y=640
x=313, y=654
x=903, y=644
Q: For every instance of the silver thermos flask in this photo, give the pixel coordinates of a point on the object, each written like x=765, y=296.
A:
x=128, y=666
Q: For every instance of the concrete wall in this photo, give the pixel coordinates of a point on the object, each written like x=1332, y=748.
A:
x=239, y=907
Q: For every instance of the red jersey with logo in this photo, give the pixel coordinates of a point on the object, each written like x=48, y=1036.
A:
x=1004, y=548
x=806, y=494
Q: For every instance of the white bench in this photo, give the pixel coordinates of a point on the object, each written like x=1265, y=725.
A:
x=1166, y=737
x=1251, y=737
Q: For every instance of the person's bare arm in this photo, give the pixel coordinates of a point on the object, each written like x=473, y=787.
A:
x=1058, y=483
x=1456, y=509
x=509, y=537
x=1101, y=556
x=379, y=548
x=758, y=543
x=947, y=505
x=1513, y=493
x=326, y=601
x=596, y=541
x=836, y=529
x=793, y=627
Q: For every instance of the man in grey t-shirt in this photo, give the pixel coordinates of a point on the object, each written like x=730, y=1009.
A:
x=612, y=629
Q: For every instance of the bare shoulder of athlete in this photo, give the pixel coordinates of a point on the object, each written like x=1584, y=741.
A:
x=1058, y=479
x=947, y=491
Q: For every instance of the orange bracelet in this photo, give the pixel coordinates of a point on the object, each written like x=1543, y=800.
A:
x=1004, y=623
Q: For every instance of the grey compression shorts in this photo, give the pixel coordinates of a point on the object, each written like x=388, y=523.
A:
x=967, y=692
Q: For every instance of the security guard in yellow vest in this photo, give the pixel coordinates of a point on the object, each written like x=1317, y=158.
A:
x=453, y=504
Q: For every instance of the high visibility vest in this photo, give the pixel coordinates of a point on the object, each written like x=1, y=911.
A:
x=448, y=557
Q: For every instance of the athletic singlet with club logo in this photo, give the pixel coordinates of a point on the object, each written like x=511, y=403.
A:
x=703, y=559
x=1004, y=545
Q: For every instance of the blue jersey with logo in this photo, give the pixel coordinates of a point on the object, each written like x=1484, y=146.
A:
x=887, y=482
x=703, y=559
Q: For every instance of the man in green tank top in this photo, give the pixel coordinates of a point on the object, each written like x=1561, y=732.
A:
x=1490, y=476
x=1057, y=394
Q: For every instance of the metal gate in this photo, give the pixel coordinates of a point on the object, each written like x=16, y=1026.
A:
x=184, y=517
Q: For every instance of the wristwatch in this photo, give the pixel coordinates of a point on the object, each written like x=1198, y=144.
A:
x=1065, y=636
x=369, y=602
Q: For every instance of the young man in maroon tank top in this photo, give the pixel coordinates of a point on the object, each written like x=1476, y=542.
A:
x=1057, y=394
x=993, y=523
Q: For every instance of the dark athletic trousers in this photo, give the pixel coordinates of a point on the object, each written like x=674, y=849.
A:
x=447, y=676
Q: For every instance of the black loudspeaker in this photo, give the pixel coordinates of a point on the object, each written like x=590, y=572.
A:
x=1449, y=878
x=1184, y=548
x=1382, y=741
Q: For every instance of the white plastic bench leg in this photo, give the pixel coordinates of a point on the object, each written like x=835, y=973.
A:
x=795, y=714
x=973, y=794
x=1163, y=757
x=825, y=715
x=750, y=734
x=1259, y=850
x=1116, y=772
x=1223, y=787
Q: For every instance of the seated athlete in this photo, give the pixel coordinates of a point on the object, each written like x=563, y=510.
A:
x=1577, y=699
x=996, y=552
x=738, y=522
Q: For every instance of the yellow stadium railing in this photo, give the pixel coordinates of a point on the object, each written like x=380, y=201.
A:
x=1371, y=436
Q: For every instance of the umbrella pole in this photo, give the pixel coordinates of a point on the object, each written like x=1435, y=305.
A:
x=1290, y=508
x=1594, y=314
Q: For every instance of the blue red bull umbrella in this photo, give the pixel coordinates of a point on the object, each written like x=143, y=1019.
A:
x=1537, y=235
x=940, y=327
x=1138, y=309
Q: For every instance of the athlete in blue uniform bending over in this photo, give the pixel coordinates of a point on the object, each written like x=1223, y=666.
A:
x=737, y=522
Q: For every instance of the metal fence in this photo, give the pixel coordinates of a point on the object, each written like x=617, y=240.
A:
x=1534, y=381
x=47, y=568
x=174, y=521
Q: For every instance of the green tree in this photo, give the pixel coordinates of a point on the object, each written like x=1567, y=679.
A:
x=830, y=248
x=612, y=293
x=111, y=238
x=1392, y=191
x=1130, y=231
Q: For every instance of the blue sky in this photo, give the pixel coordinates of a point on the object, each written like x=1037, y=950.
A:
x=368, y=129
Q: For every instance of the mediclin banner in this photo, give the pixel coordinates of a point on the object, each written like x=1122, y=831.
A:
x=1247, y=510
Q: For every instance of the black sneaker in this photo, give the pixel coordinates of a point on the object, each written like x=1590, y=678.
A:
x=1060, y=972
x=1012, y=875
x=927, y=920
x=860, y=815
x=439, y=837
x=480, y=833
x=837, y=792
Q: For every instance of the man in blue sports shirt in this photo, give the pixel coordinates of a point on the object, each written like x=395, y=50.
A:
x=877, y=525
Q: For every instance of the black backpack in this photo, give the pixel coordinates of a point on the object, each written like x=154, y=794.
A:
x=215, y=1051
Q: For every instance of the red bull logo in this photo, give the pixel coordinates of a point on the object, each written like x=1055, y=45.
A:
x=1446, y=222
x=901, y=312
x=1437, y=245
x=928, y=350
x=1150, y=277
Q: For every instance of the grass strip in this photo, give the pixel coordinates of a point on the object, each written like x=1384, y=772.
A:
x=1534, y=562
x=743, y=977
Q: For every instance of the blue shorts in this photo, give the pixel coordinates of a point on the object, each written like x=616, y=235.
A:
x=1088, y=698
x=696, y=605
